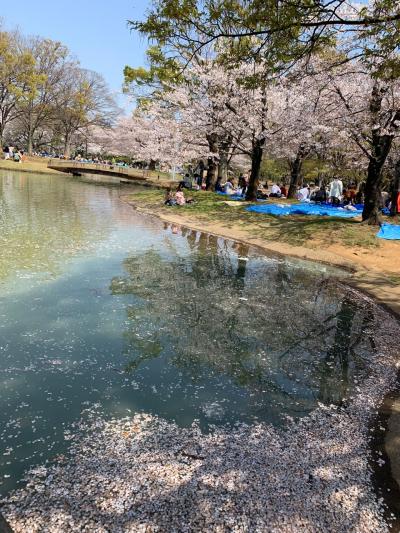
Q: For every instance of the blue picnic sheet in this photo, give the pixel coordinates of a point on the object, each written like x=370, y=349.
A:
x=304, y=209
x=389, y=231
x=237, y=196
x=231, y=196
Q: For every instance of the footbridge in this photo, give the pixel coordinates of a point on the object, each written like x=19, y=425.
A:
x=125, y=174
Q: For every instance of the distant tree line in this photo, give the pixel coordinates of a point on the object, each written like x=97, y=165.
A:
x=47, y=100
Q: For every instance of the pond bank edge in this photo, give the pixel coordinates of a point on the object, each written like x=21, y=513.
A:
x=362, y=278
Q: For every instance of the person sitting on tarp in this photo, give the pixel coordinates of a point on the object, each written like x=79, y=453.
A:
x=228, y=188
x=351, y=193
x=242, y=183
x=318, y=195
x=275, y=191
x=303, y=193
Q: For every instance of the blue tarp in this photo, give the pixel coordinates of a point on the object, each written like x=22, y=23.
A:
x=237, y=196
x=231, y=196
x=389, y=231
x=304, y=209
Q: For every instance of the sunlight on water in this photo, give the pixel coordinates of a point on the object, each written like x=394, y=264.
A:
x=101, y=306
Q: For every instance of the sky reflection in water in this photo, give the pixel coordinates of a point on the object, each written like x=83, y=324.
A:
x=99, y=305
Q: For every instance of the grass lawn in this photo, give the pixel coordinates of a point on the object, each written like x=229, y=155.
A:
x=30, y=164
x=294, y=230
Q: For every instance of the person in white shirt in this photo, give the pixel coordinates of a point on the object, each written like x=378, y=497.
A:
x=275, y=191
x=303, y=194
x=336, y=191
x=228, y=187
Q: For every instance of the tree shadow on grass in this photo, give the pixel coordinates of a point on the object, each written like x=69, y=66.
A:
x=299, y=230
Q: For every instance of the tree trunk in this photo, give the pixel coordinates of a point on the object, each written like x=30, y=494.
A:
x=30, y=134
x=295, y=170
x=1, y=139
x=30, y=143
x=256, y=158
x=67, y=147
x=381, y=145
x=222, y=168
x=395, y=190
x=257, y=153
x=200, y=169
x=223, y=163
x=211, y=178
x=373, y=200
x=212, y=169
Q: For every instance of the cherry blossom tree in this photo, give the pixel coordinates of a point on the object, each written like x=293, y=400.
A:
x=204, y=103
x=258, y=106
x=367, y=109
x=153, y=134
x=301, y=128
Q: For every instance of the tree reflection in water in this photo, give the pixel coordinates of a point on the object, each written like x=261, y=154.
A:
x=287, y=336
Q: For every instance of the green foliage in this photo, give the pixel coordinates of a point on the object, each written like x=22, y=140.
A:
x=381, y=41
x=161, y=73
x=45, y=94
x=273, y=170
x=277, y=33
x=19, y=80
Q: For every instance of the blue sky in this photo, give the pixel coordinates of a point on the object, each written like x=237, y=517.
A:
x=95, y=31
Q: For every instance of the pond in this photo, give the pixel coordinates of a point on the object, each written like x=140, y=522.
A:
x=103, y=307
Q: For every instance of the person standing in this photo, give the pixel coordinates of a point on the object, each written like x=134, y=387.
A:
x=336, y=191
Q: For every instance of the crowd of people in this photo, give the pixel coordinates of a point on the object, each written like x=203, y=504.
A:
x=335, y=193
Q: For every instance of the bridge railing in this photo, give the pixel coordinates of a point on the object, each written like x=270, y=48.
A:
x=128, y=171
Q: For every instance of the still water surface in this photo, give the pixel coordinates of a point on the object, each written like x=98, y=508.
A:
x=102, y=306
